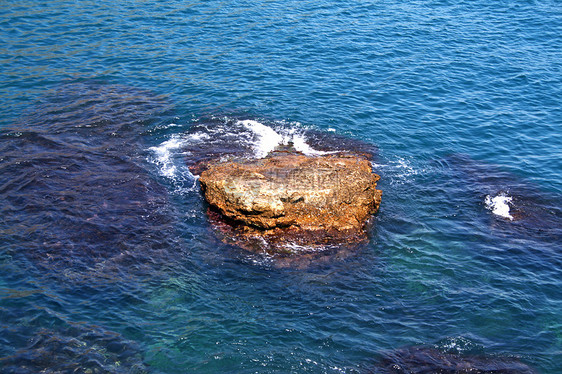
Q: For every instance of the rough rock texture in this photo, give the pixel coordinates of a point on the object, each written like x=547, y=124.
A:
x=309, y=200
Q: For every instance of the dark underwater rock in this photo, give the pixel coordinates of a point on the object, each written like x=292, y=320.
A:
x=423, y=360
x=77, y=200
x=515, y=205
x=76, y=349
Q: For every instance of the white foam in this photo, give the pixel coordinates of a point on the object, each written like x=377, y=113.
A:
x=300, y=144
x=169, y=158
x=296, y=248
x=268, y=139
x=398, y=170
x=196, y=137
x=402, y=163
x=163, y=154
x=499, y=205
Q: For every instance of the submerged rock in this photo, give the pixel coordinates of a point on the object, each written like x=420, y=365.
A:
x=424, y=360
x=288, y=199
x=77, y=348
x=77, y=201
x=516, y=205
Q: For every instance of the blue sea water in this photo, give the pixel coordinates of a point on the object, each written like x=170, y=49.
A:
x=108, y=262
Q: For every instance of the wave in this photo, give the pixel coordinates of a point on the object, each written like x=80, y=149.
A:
x=177, y=156
x=499, y=205
x=267, y=140
x=169, y=156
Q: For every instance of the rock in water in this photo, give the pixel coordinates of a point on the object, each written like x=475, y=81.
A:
x=426, y=360
x=289, y=198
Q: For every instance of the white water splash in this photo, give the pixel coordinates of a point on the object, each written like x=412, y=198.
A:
x=268, y=139
x=163, y=154
x=499, y=205
x=300, y=144
x=168, y=157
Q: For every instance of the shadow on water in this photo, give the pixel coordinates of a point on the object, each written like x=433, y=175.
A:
x=81, y=219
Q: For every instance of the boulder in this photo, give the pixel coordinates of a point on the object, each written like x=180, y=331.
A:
x=290, y=198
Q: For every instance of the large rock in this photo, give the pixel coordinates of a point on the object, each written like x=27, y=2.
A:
x=292, y=198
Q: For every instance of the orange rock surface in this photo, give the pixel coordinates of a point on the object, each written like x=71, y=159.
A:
x=288, y=197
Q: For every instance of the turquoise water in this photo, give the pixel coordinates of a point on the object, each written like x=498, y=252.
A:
x=108, y=262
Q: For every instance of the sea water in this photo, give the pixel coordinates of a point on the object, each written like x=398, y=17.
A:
x=108, y=262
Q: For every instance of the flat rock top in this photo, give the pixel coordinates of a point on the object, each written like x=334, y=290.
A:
x=333, y=193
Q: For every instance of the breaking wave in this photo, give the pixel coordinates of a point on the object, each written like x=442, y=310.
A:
x=499, y=205
x=178, y=154
x=169, y=157
x=267, y=140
